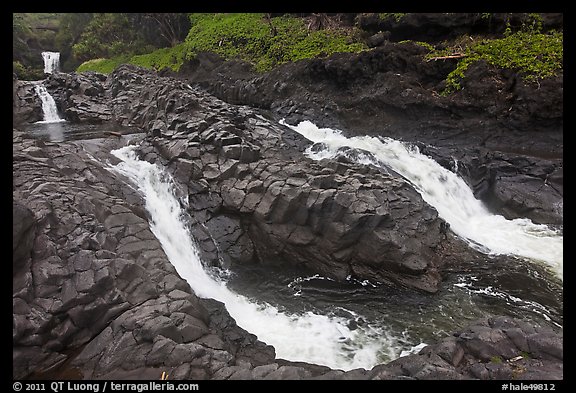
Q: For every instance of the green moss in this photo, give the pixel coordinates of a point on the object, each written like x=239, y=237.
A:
x=496, y=359
x=159, y=59
x=27, y=73
x=162, y=58
x=534, y=55
x=104, y=66
x=264, y=43
x=397, y=16
x=322, y=43
x=423, y=44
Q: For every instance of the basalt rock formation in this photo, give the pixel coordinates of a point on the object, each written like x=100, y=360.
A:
x=497, y=118
x=252, y=191
x=94, y=295
x=27, y=107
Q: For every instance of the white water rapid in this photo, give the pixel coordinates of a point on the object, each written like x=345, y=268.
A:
x=51, y=62
x=309, y=337
x=49, y=108
x=448, y=193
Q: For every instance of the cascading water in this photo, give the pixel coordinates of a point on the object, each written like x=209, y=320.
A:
x=49, y=108
x=309, y=336
x=51, y=62
x=448, y=193
x=50, y=125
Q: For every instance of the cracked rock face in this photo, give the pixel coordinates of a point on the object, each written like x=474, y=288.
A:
x=94, y=295
x=496, y=119
x=253, y=192
x=90, y=276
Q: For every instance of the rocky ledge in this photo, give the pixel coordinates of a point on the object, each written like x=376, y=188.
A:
x=95, y=297
x=506, y=134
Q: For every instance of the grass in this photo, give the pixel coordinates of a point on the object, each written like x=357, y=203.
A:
x=532, y=54
x=104, y=66
x=264, y=43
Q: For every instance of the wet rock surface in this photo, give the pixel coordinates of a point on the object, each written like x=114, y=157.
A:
x=94, y=296
x=255, y=198
x=93, y=293
x=26, y=107
x=392, y=91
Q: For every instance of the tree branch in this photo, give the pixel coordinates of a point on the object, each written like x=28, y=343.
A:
x=454, y=56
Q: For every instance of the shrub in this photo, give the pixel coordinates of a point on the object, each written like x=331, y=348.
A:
x=533, y=54
x=264, y=43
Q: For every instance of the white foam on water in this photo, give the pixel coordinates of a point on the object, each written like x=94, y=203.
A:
x=49, y=109
x=309, y=337
x=448, y=193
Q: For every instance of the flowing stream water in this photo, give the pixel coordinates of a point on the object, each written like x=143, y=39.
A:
x=447, y=192
x=328, y=339
x=49, y=108
x=51, y=127
x=311, y=318
x=308, y=317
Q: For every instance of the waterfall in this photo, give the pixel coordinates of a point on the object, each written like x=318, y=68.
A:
x=48, y=105
x=448, y=193
x=51, y=62
x=308, y=337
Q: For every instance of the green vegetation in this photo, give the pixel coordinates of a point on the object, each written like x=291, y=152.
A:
x=162, y=58
x=496, y=359
x=397, y=16
x=104, y=66
x=535, y=55
x=157, y=60
x=27, y=73
x=71, y=28
x=102, y=41
x=30, y=32
x=107, y=35
x=264, y=42
x=421, y=43
x=82, y=37
x=259, y=40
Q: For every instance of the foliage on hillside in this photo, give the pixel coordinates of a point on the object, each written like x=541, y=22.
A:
x=159, y=59
x=81, y=37
x=535, y=55
x=167, y=40
x=106, y=35
x=30, y=32
x=254, y=38
x=265, y=42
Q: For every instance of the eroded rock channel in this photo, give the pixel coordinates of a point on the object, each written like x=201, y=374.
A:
x=95, y=296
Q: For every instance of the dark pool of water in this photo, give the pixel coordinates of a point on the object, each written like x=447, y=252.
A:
x=520, y=290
